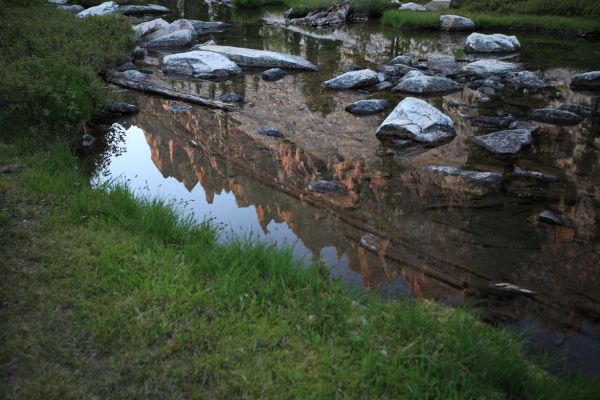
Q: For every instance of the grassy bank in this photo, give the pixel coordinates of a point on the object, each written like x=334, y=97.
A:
x=106, y=295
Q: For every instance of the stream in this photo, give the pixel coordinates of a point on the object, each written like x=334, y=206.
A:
x=395, y=228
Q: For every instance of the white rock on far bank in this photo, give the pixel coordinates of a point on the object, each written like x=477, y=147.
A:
x=106, y=8
x=454, y=23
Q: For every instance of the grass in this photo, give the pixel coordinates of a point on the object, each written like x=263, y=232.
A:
x=430, y=20
x=109, y=296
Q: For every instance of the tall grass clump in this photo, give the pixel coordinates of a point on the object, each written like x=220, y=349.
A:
x=49, y=66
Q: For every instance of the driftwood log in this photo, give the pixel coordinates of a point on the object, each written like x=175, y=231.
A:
x=138, y=81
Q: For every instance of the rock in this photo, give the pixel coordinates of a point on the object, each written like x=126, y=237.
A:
x=332, y=15
x=446, y=65
x=555, y=117
x=352, y=80
x=203, y=27
x=149, y=27
x=412, y=7
x=86, y=142
x=179, y=107
x=505, y=143
x=532, y=127
x=582, y=111
x=123, y=108
x=143, y=9
x=586, y=81
x=367, y=107
x=394, y=70
x=259, y=58
x=550, y=217
x=273, y=74
x=487, y=90
x=326, y=187
x=373, y=243
x=526, y=80
x=139, y=52
x=231, y=98
x=106, y=8
x=427, y=85
x=493, y=122
x=436, y=5
x=492, y=179
x=200, y=64
x=519, y=172
x=417, y=121
x=402, y=59
x=271, y=132
x=385, y=85
x=134, y=75
x=178, y=33
x=492, y=67
x=495, y=43
x=58, y=2
x=73, y=8
x=126, y=66
x=452, y=23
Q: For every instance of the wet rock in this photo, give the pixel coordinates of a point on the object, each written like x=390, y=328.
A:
x=552, y=218
x=532, y=127
x=385, y=85
x=427, y=85
x=178, y=107
x=526, y=80
x=73, y=8
x=555, y=117
x=495, y=43
x=123, y=108
x=582, y=111
x=492, y=121
x=492, y=67
x=587, y=81
x=231, y=98
x=332, y=15
x=491, y=179
x=143, y=9
x=268, y=131
x=417, y=121
x=149, y=27
x=519, y=172
x=352, y=80
x=200, y=64
x=178, y=33
x=367, y=107
x=106, y=8
x=452, y=23
x=402, y=59
x=259, y=58
x=412, y=7
x=325, y=187
x=139, y=52
x=273, y=74
x=507, y=143
x=445, y=65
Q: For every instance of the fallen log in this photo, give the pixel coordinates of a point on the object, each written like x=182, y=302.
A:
x=138, y=81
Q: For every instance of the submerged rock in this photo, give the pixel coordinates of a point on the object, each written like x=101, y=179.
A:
x=106, y=8
x=417, y=121
x=582, y=111
x=143, y=9
x=505, y=143
x=552, y=218
x=495, y=43
x=492, y=179
x=492, y=67
x=427, y=85
x=456, y=23
x=352, y=80
x=410, y=6
x=268, y=131
x=259, y=58
x=200, y=64
x=326, y=187
x=273, y=74
x=587, y=80
x=231, y=98
x=367, y=107
x=519, y=172
x=555, y=117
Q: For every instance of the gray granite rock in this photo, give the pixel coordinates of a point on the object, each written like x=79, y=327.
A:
x=485, y=68
x=556, y=117
x=410, y=6
x=270, y=132
x=427, y=85
x=367, y=107
x=505, y=143
x=453, y=23
x=587, y=81
x=273, y=74
x=495, y=43
x=200, y=64
x=582, y=111
x=352, y=80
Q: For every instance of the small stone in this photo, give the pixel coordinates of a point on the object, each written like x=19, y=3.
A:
x=270, y=132
x=273, y=74
x=231, y=98
x=367, y=107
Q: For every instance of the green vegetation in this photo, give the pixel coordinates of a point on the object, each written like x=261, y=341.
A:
x=562, y=8
x=116, y=297
x=430, y=20
x=49, y=66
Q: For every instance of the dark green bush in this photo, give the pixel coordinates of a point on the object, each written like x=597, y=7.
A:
x=49, y=66
x=565, y=8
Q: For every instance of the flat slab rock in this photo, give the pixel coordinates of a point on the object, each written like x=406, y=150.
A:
x=496, y=43
x=200, y=64
x=492, y=179
x=492, y=67
x=587, y=80
x=352, y=80
x=259, y=58
x=367, y=107
x=417, y=121
x=556, y=117
x=427, y=85
x=505, y=143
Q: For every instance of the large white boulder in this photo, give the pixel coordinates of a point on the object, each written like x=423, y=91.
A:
x=200, y=64
x=412, y=7
x=178, y=33
x=106, y=8
x=495, y=43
